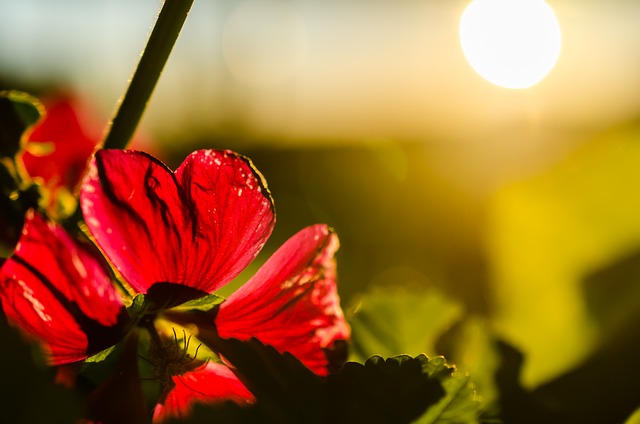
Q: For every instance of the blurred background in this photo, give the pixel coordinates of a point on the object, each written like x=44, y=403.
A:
x=520, y=207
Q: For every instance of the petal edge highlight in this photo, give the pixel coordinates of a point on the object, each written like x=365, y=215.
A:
x=198, y=227
x=292, y=303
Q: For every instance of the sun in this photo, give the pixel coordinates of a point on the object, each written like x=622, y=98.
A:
x=510, y=43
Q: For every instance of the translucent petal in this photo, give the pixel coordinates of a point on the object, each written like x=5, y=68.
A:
x=198, y=227
x=292, y=302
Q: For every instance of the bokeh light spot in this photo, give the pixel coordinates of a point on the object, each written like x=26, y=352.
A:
x=510, y=43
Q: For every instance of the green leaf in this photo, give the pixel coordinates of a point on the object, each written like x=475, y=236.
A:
x=99, y=367
x=18, y=112
x=102, y=355
x=137, y=306
x=460, y=405
x=470, y=345
x=178, y=298
x=545, y=234
x=203, y=304
x=400, y=321
x=397, y=389
x=164, y=295
x=286, y=390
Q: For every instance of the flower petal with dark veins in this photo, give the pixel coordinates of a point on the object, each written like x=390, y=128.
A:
x=60, y=293
x=292, y=303
x=198, y=227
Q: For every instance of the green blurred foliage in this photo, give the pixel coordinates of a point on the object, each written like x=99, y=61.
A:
x=549, y=264
x=549, y=236
x=460, y=404
x=28, y=394
x=398, y=219
x=400, y=321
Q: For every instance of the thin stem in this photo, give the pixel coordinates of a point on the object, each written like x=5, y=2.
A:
x=154, y=57
x=148, y=324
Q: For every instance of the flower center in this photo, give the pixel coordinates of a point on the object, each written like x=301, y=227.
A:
x=171, y=357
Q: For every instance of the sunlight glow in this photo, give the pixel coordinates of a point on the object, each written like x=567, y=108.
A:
x=510, y=43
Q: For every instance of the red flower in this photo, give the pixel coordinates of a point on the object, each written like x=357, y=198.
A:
x=60, y=293
x=177, y=236
x=291, y=303
x=60, y=145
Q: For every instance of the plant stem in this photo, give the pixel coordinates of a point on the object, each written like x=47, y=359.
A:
x=148, y=324
x=154, y=57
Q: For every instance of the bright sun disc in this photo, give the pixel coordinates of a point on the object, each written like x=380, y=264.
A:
x=510, y=43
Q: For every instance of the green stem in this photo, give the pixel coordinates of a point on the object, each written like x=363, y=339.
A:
x=148, y=324
x=155, y=55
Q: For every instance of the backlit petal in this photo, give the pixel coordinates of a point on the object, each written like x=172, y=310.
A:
x=292, y=302
x=198, y=227
x=60, y=145
x=231, y=211
x=132, y=205
x=59, y=293
x=211, y=384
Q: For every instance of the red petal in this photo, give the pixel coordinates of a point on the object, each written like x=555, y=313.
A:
x=292, y=302
x=70, y=142
x=70, y=131
x=232, y=214
x=198, y=227
x=59, y=293
x=211, y=384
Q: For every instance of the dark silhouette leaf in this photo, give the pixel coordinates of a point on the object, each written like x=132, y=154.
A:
x=18, y=112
